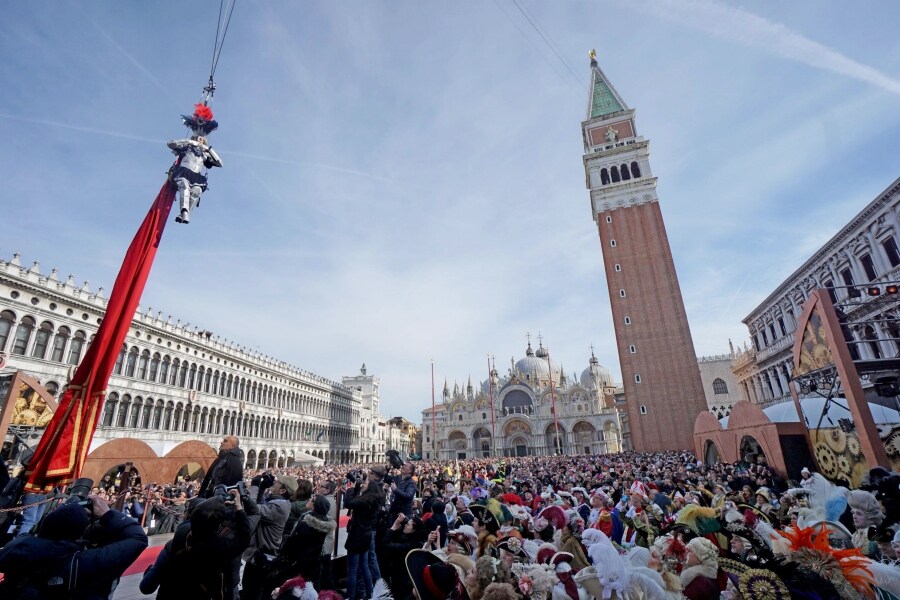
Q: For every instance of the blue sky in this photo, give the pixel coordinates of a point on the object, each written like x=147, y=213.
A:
x=403, y=180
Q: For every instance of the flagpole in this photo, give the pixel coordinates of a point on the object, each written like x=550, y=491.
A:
x=433, y=416
x=493, y=427
x=553, y=401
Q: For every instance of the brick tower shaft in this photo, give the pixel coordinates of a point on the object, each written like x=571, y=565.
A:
x=663, y=390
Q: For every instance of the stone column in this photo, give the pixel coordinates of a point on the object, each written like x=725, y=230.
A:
x=781, y=379
x=886, y=347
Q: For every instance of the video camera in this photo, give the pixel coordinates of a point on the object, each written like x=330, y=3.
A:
x=224, y=491
x=393, y=457
x=354, y=475
x=396, y=462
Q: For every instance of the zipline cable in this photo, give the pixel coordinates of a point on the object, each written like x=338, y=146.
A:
x=210, y=88
x=221, y=42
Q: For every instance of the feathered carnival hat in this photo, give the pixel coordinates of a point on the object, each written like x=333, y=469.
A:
x=514, y=546
x=201, y=122
x=555, y=515
x=478, y=493
x=847, y=570
x=296, y=588
x=491, y=511
x=699, y=519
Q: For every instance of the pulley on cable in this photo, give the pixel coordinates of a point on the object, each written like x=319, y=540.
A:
x=195, y=155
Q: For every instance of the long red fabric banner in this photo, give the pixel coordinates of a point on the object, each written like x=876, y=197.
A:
x=61, y=453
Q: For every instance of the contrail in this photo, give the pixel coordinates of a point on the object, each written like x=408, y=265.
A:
x=126, y=136
x=167, y=91
x=308, y=164
x=738, y=25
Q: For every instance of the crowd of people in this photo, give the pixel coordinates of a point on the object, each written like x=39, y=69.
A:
x=614, y=526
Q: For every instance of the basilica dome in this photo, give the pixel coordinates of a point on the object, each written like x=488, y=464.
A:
x=596, y=372
x=537, y=367
x=486, y=384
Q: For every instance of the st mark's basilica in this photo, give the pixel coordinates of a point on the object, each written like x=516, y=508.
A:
x=586, y=419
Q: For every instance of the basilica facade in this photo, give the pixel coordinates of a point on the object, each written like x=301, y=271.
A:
x=535, y=409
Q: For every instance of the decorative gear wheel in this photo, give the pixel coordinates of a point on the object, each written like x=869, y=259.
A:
x=844, y=467
x=837, y=440
x=826, y=459
x=854, y=447
x=892, y=445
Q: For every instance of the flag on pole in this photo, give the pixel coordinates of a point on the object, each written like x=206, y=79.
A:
x=61, y=453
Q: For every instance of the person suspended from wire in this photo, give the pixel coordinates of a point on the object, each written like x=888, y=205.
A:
x=194, y=155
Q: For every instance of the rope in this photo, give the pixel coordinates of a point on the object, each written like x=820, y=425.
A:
x=22, y=507
x=219, y=42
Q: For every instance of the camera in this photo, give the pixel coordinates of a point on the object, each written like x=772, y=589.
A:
x=78, y=492
x=394, y=458
x=354, y=476
x=224, y=491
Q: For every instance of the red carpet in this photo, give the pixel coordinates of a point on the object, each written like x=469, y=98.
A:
x=147, y=558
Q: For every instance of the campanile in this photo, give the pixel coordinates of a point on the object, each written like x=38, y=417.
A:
x=662, y=383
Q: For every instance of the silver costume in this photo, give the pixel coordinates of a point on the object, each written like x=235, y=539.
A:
x=194, y=155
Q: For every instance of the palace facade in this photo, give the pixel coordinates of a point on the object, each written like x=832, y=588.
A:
x=864, y=253
x=175, y=385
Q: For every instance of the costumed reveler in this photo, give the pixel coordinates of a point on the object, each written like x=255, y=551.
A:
x=194, y=155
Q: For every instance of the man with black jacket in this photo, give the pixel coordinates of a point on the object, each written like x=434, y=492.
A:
x=55, y=563
x=365, y=499
x=227, y=469
x=402, y=493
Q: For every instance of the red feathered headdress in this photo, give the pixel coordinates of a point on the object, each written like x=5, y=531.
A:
x=202, y=111
x=286, y=588
x=511, y=498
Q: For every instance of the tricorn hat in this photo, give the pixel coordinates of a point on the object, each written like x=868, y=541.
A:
x=432, y=578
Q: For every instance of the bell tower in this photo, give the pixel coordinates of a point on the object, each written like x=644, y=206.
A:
x=663, y=390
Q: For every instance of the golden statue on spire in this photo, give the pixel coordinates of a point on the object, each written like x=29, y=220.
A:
x=593, y=55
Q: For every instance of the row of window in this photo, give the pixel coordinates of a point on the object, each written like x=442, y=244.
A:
x=616, y=173
x=158, y=415
x=869, y=270
x=632, y=349
x=64, y=346
x=163, y=369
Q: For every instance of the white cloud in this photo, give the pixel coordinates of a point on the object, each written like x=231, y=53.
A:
x=735, y=24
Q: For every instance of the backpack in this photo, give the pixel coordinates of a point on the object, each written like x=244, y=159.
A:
x=45, y=581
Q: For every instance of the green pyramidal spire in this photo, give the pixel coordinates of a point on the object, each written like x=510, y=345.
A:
x=604, y=98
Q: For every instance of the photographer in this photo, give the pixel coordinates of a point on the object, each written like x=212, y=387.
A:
x=326, y=578
x=403, y=492
x=56, y=563
x=364, y=499
x=198, y=560
x=270, y=515
x=404, y=535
